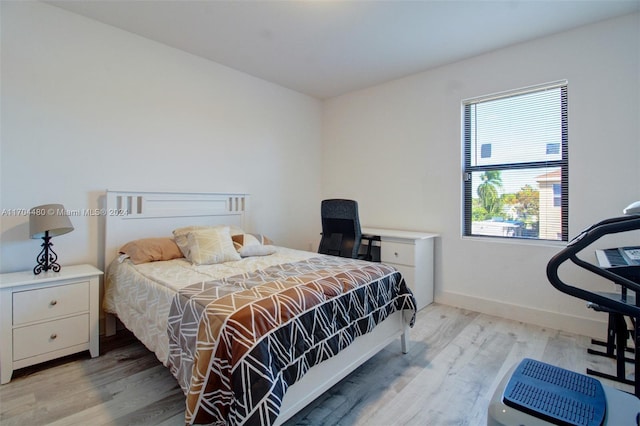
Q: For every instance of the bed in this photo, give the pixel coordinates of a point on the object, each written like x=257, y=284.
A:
x=252, y=333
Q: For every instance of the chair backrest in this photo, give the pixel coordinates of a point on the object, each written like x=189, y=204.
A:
x=341, y=232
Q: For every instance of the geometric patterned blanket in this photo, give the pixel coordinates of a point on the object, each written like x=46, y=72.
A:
x=236, y=344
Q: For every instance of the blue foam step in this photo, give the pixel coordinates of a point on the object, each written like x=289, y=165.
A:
x=560, y=396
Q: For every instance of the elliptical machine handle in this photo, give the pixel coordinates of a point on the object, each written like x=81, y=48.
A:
x=588, y=236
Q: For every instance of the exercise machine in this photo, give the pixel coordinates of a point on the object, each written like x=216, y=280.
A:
x=534, y=393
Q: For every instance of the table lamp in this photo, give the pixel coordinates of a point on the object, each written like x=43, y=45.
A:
x=46, y=221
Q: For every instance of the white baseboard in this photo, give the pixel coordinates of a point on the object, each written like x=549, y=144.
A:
x=574, y=324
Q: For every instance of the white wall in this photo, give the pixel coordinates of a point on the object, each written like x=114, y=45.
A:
x=87, y=107
x=396, y=148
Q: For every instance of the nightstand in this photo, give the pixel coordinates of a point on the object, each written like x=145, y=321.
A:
x=47, y=316
x=411, y=253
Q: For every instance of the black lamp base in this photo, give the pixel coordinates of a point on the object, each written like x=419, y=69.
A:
x=47, y=259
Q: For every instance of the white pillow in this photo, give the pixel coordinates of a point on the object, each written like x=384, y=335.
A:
x=256, y=250
x=210, y=246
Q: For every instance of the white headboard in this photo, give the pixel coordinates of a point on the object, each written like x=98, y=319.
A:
x=133, y=215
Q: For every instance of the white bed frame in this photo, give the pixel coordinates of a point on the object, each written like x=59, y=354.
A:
x=134, y=215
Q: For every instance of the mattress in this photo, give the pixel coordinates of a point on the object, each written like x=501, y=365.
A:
x=236, y=335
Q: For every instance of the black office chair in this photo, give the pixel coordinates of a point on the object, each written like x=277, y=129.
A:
x=341, y=234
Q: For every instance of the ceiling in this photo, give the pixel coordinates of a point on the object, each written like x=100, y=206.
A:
x=326, y=48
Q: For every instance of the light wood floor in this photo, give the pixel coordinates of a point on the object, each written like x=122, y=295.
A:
x=456, y=360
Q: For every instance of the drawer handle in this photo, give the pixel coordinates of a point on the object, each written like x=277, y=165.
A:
x=53, y=336
x=395, y=254
x=53, y=302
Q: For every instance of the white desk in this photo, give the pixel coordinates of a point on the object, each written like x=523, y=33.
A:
x=411, y=253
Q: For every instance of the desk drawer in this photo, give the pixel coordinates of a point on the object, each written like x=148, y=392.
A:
x=50, y=336
x=50, y=302
x=391, y=252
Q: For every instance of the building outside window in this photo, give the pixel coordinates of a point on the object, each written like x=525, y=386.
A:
x=516, y=164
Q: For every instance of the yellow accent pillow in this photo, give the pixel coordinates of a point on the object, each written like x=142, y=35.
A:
x=180, y=235
x=210, y=246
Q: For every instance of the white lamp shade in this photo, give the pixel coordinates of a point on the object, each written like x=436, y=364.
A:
x=49, y=217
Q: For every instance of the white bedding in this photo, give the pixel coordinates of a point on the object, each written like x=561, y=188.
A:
x=141, y=295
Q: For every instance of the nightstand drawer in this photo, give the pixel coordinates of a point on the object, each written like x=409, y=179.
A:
x=391, y=252
x=50, y=302
x=51, y=336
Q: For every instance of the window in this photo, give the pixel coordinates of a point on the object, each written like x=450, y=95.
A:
x=557, y=195
x=485, y=150
x=516, y=164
